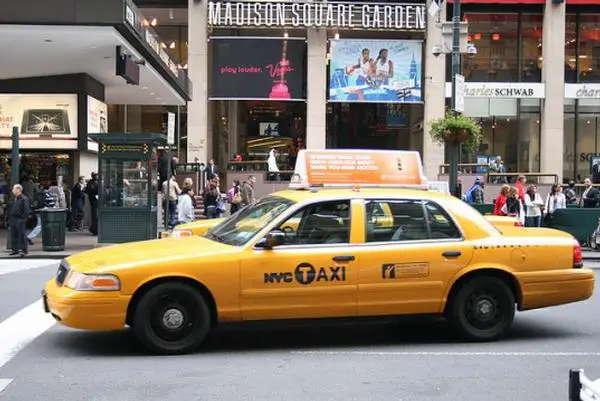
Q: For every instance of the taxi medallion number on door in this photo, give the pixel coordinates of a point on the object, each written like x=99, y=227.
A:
x=358, y=234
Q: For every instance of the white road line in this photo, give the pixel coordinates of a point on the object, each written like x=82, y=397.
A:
x=4, y=384
x=12, y=266
x=22, y=328
x=434, y=353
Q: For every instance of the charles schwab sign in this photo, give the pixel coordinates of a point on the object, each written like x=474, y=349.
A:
x=582, y=91
x=501, y=90
x=348, y=15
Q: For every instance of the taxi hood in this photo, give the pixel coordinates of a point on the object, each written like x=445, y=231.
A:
x=145, y=253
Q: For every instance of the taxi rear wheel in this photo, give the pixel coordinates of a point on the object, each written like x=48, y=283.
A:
x=171, y=318
x=483, y=309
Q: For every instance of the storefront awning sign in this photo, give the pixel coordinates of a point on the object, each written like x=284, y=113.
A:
x=340, y=15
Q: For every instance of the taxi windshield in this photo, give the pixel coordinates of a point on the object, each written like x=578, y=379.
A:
x=242, y=226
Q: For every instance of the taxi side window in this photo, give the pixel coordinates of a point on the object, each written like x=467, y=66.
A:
x=396, y=220
x=440, y=223
x=323, y=223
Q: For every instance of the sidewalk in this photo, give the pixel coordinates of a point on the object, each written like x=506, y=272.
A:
x=75, y=242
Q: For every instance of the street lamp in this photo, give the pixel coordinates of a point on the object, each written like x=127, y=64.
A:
x=454, y=35
x=455, y=147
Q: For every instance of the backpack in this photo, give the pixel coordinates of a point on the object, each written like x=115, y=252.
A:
x=468, y=196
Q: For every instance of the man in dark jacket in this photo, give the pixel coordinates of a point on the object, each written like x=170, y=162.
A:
x=92, y=191
x=591, y=195
x=77, y=204
x=17, y=217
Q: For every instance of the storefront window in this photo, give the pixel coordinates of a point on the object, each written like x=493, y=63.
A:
x=511, y=130
x=509, y=47
x=570, y=157
x=571, y=49
x=375, y=126
x=588, y=135
x=589, y=48
x=248, y=130
x=531, y=47
x=496, y=37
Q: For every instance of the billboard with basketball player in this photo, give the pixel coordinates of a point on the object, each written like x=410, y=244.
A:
x=250, y=68
x=376, y=71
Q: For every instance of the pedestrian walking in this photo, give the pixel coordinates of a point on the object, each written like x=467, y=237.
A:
x=533, y=207
x=500, y=201
x=571, y=194
x=170, y=200
x=247, y=191
x=78, y=204
x=234, y=197
x=17, y=217
x=44, y=200
x=91, y=189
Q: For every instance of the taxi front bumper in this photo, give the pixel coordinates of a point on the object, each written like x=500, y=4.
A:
x=85, y=309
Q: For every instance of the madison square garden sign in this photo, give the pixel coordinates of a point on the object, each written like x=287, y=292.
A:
x=340, y=15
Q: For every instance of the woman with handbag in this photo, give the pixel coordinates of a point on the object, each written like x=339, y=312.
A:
x=234, y=197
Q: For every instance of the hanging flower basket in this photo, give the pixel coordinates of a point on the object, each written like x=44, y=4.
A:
x=457, y=129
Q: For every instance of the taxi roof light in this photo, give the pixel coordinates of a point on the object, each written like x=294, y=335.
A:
x=342, y=168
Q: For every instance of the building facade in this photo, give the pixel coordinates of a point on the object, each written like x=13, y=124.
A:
x=538, y=105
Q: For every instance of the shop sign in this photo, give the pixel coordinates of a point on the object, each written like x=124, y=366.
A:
x=582, y=91
x=250, y=14
x=136, y=20
x=500, y=90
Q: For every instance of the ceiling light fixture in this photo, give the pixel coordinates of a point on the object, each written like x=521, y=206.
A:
x=337, y=36
x=163, y=45
x=185, y=67
x=153, y=22
x=286, y=35
x=172, y=45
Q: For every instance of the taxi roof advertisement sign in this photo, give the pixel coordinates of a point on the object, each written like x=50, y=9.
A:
x=343, y=168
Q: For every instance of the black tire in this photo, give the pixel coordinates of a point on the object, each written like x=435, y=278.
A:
x=177, y=304
x=495, y=312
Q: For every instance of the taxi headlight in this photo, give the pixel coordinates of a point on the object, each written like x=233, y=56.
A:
x=181, y=233
x=92, y=282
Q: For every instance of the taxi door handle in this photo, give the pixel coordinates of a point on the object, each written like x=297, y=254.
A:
x=451, y=254
x=343, y=258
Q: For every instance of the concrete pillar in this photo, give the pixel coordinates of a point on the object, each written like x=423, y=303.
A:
x=133, y=118
x=552, y=140
x=316, y=89
x=233, y=109
x=197, y=127
x=435, y=94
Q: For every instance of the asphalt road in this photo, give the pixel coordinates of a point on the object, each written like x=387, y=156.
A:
x=400, y=360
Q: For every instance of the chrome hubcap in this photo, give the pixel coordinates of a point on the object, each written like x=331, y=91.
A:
x=485, y=308
x=172, y=319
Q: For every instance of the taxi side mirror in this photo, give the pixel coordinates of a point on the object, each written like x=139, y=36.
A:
x=272, y=239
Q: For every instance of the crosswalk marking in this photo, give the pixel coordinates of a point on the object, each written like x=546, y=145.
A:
x=12, y=266
x=4, y=383
x=22, y=328
x=457, y=353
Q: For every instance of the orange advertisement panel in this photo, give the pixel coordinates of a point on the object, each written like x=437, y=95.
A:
x=359, y=167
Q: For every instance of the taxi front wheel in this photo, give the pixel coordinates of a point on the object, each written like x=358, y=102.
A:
x=483, y=309
x=171, y=318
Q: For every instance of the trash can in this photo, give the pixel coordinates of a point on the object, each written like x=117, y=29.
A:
x=54, y=229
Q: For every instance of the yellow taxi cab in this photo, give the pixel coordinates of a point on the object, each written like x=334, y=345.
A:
x=435, y=255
